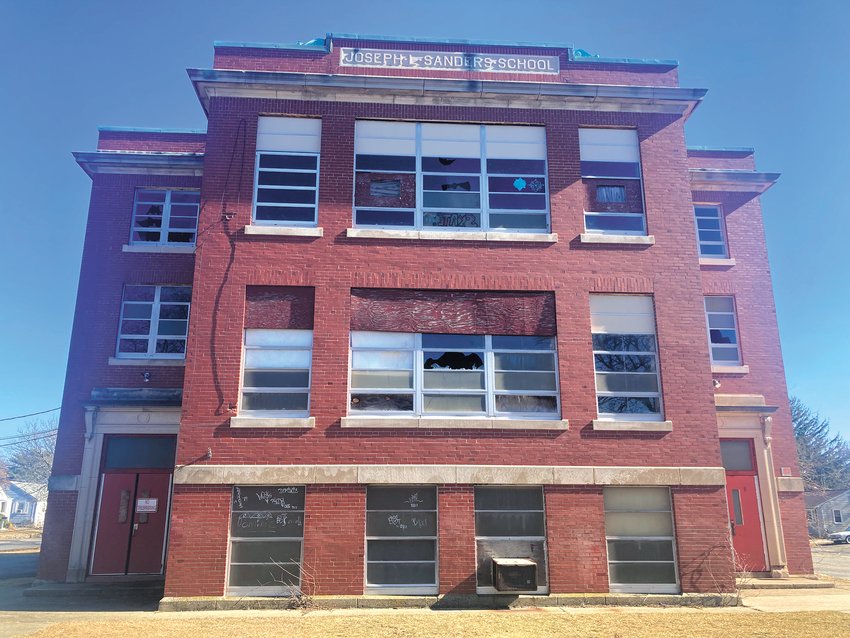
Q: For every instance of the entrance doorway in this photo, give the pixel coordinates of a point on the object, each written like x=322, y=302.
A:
x=133, y=508
x=742, y=497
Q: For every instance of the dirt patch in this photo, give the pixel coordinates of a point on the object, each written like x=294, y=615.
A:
x=469, y=624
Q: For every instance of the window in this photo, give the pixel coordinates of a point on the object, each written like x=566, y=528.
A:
x=836, y=516
x=154, y=322
x=401, y=540
x=737, y=455
x=510, y=522
x=450, y=177
x=266, y=540
x=21, y=508
x=625, y=357
x=710, y=232
x=639, y=535
x=722, y=331
x=276, y=374
x=395, y=373
x=608, y=155
x=286, y=181
x=165, y=217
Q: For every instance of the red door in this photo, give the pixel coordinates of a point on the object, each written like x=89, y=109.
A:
x=131, y=524
x=745, y=520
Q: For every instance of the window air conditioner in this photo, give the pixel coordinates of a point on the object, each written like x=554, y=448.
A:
x=514, y=574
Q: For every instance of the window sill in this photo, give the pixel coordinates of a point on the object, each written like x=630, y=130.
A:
x=116, y=361
x=730, y=369
x=383, y=233
x=285, y=231
x=600, y=425
x=479, y=423
x=262, y=422
x=716, y=261
x=629, y=240
x=158, y=248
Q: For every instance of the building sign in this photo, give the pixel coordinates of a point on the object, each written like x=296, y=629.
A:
x=442, y=61
x=146, y=505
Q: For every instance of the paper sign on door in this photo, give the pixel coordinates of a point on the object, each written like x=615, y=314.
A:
x=146, y=505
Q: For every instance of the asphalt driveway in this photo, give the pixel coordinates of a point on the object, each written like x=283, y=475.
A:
x=832, y=560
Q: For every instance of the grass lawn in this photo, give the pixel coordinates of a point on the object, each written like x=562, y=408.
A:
x=529, y=623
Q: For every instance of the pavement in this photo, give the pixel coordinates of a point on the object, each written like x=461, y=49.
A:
x=19, y=544
x=18, y=564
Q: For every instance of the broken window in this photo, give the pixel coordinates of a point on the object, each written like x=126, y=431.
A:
x=722, y=331
x=165, y=217
x=154, y=322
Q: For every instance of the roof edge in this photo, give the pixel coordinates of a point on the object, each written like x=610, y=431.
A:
x=144, y=129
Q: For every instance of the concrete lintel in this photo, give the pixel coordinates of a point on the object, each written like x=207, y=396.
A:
x=716, y=261
x=739, y=399
x=484, y=423
x=146, y=363
x=730, y=369
x=702, y=476
x=636, y=476
x=406, y=474
x=285, y=231
x=440, y=235
x=790, y=484
x=632, y=426
x=187, y=249
x=251, y=422
x=628, y=240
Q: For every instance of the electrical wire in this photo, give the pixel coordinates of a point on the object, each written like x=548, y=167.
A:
x=38, y=438
x=28, y=434
x=23, y=416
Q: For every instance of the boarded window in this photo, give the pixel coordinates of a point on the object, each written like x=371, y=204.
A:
x=279, y=307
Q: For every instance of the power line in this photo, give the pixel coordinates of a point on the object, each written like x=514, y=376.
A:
x=23, y=416
x=28, y=434
x=37, y=438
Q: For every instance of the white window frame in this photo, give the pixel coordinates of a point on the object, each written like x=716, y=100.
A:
x=638, y=178
x=648, y=588
x=489, y=391
x=404, y=590
x=837, y=516
x=165, y=228
x=257, y=186
x=724, y=239
x=419, y=209
x=153, y=335
x=274, y=390
x=725, y=346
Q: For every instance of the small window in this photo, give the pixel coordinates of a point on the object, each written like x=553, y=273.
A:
x=266, y=540
x=836, y=517
x=722, y=331
x=165, y=217
x=736, y=455
x=711, y=234
x=625, y=356
x=154, y=322
x=130, y=452
x=640, y=539
x=276, y=373
x=21, y=507
x=510, y=522
x=401, y=540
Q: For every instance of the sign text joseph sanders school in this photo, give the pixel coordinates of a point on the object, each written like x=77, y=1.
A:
x=441, y=61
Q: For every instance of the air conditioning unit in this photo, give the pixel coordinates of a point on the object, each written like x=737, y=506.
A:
x=514, y=574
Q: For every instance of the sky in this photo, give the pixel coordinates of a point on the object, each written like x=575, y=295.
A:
x=778, y=75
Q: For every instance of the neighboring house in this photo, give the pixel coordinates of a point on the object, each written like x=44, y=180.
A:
x=827, y=512
x=456, y=309
x=23, y=504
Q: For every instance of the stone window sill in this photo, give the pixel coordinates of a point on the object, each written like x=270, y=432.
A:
x=285, y=231
x=730, y=369
x=382, y=233
x=716, y=261
x=629, y=240
x=261, y=422
x=600, y=425
x=483, y=423
x=148, y=363
x=158, y=248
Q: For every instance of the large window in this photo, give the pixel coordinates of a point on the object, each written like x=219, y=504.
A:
x=510, y=522
x=266, y=540
x=276, y=374
x=165, y=217
x=396, y=373
x=610, y=171
x=639, y=535
x=401, y=540
x=722, y=331
x=625, y=357
x=154, y=322
x=711, y=234
x=286, y=181
x=450, y=177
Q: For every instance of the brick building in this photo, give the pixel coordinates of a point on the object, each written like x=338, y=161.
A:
x=425, y=317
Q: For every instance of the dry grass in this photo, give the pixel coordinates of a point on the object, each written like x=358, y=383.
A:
x=468, y=624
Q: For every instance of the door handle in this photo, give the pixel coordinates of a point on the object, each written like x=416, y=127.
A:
x=135, y=528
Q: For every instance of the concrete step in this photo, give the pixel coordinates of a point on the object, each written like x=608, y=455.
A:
x=96, y=590
x=795, y=582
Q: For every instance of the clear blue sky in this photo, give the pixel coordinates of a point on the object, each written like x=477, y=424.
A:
x=778, y=75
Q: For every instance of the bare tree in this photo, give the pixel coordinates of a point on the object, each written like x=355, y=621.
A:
x=824, y=456
x=29, y=456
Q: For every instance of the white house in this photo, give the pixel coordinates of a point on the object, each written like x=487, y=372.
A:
x=23, y=503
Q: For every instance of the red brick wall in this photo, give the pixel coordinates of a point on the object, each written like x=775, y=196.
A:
x=109, y=140
x=731, y=160
x=575, y=538
x=456, y=542
x=798, y=553
x=56, y=545
x=279, y=307
x=703, y=543
x=197, y=541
